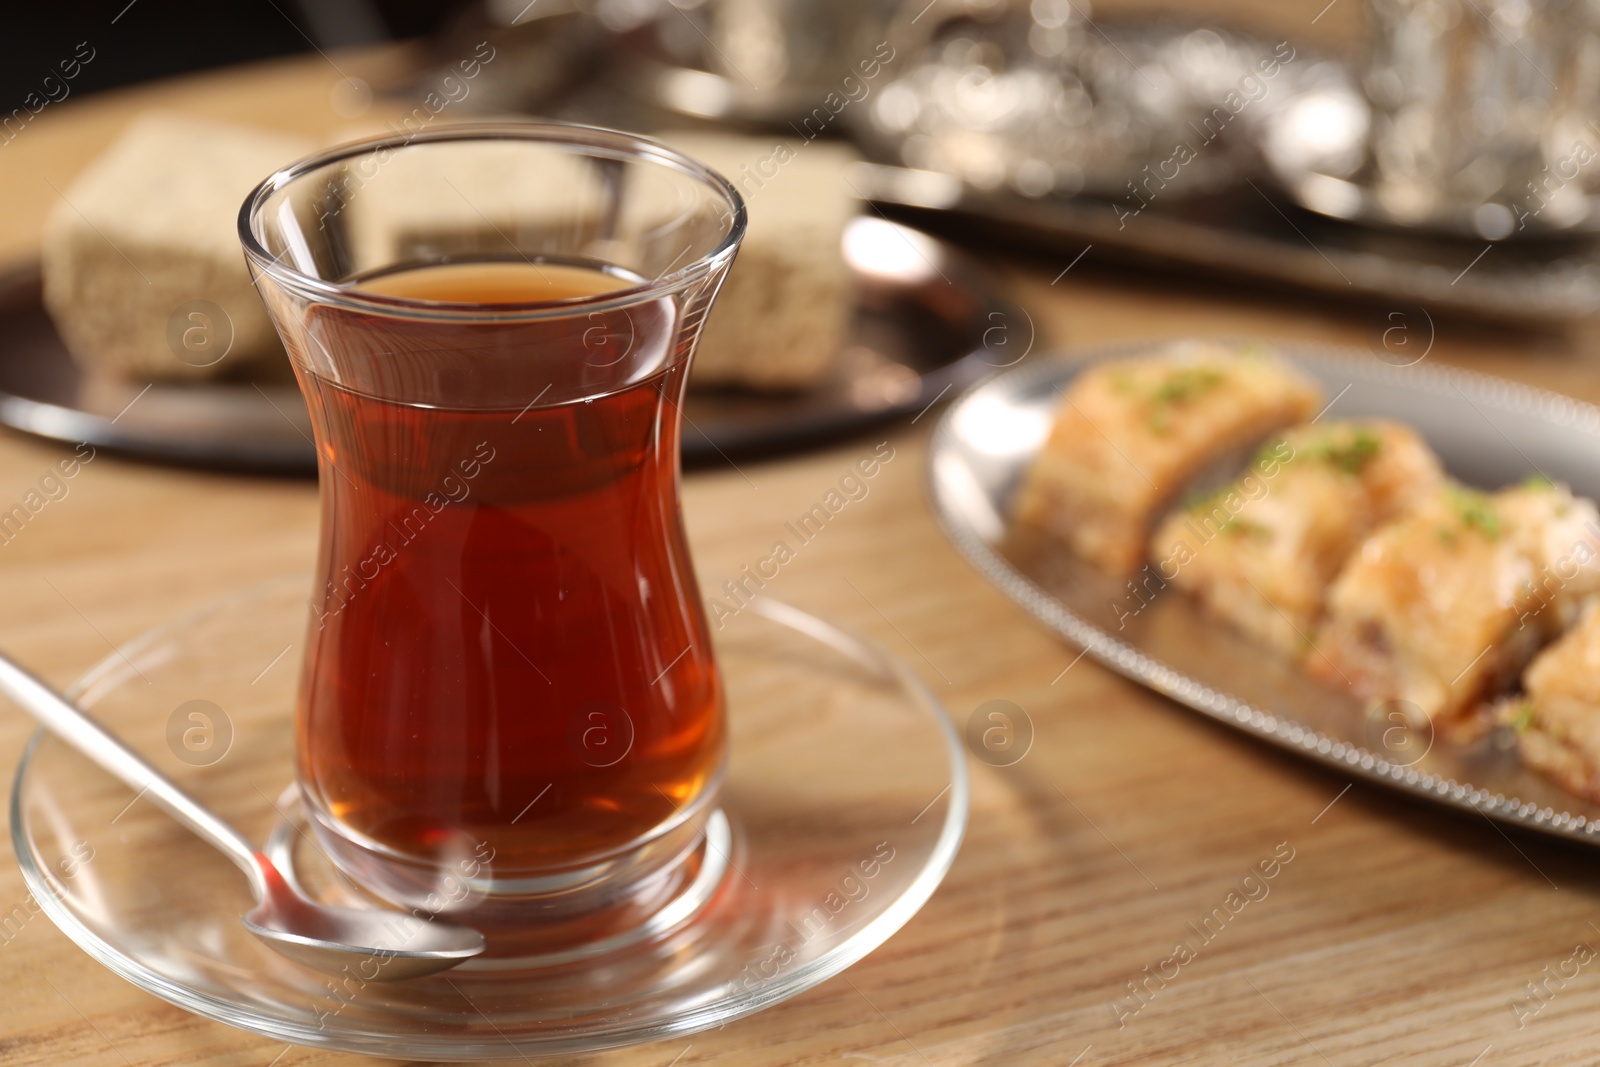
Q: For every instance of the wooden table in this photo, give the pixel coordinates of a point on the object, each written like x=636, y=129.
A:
x=1397, y=933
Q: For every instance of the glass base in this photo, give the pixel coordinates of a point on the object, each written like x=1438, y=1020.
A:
x=822, y=847
x=524, y=930
x=562, y=912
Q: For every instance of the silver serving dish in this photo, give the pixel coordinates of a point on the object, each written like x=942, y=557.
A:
x=1316, y=147
x=1165, y=142
x=1025, y=123
x=1036, y=100
x=1489, y=432
x=1247, y=233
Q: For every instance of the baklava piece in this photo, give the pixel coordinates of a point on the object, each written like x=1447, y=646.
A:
x=1445, y=605
x=1261, y=553
x=1130, y=435
x=1557, y=721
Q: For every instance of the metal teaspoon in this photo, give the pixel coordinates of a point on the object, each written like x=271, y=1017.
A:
x=320, y=936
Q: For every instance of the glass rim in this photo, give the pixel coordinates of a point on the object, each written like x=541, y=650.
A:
x=599, y=140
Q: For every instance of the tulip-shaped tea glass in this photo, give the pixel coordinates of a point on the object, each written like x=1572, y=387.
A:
x=509, y=709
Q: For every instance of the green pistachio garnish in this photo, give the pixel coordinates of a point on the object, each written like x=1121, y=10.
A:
x=1476, y=510
x=1351, y=456
x=1237, y=527
x=1267, y=455
x=1186, y=383
x=1177, y=388
x=1523, y=718
x=1202, y=501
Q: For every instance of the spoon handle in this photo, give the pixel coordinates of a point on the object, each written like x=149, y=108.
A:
x=78, y=729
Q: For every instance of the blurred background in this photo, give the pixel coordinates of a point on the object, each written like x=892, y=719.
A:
x=1423, y=162
x=156, y=39
x=159, y=38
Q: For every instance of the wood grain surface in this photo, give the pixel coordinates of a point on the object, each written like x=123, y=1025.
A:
x=1392, y=934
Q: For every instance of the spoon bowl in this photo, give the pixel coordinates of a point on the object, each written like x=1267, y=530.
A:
x=371, y=944
x=375, y=946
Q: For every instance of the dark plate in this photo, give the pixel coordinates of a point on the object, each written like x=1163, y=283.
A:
x=928, y=322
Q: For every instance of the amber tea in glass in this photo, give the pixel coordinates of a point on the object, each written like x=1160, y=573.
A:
x=509, y=700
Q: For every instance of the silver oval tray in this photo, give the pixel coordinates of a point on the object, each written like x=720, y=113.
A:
x=1489, y=433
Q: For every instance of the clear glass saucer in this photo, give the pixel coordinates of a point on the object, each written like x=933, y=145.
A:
x=844, y=806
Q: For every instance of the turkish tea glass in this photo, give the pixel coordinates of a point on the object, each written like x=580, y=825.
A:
x=509, y=709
